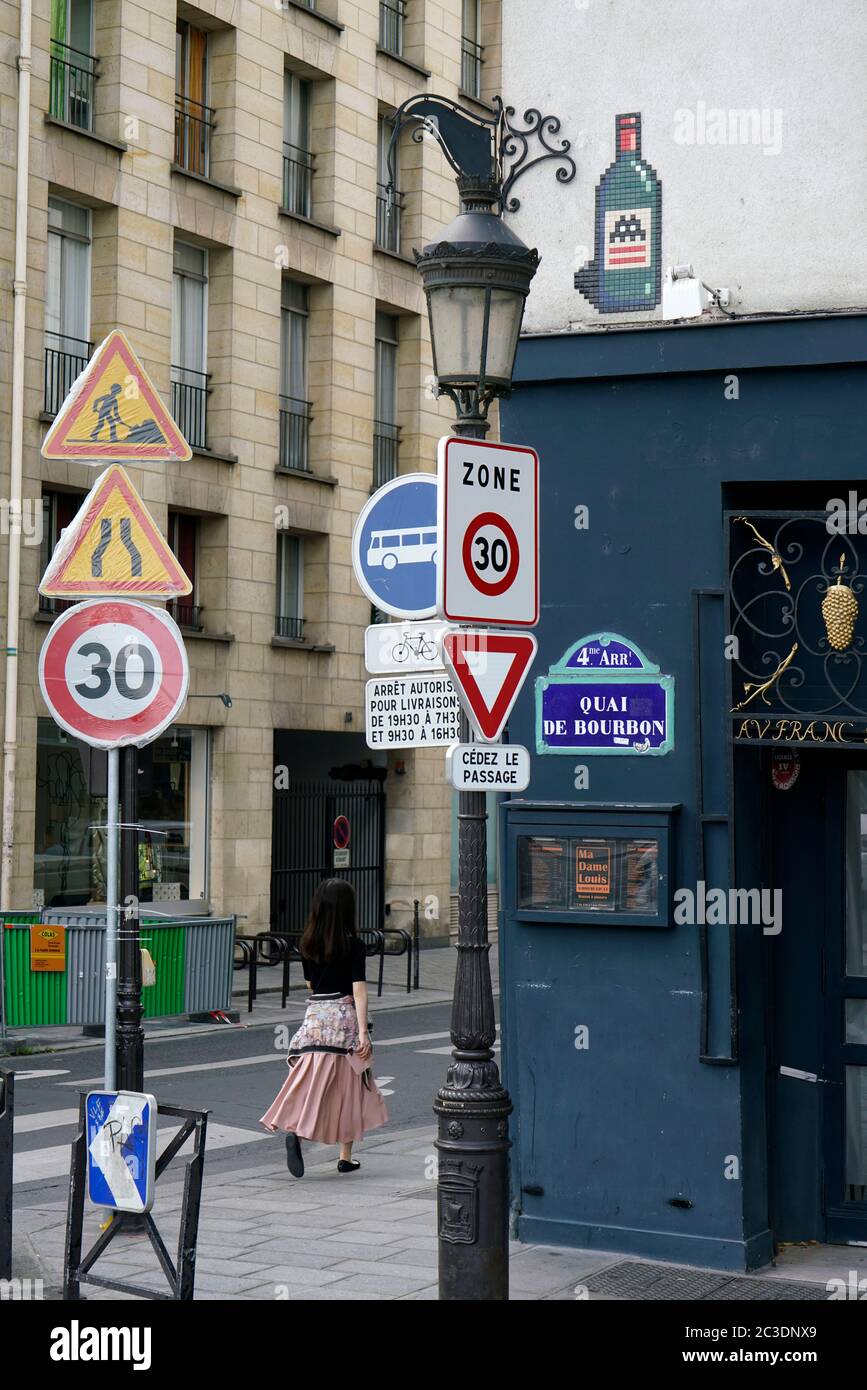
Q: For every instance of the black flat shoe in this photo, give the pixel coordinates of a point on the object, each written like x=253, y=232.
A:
x=294, y=1161
x=350, y=1165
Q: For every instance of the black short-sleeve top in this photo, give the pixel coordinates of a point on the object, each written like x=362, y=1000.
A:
x=337, y=977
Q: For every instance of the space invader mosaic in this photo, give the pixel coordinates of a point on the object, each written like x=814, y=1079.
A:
x=625, y=274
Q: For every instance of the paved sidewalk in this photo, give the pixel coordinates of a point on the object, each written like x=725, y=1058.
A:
x=366, y=1236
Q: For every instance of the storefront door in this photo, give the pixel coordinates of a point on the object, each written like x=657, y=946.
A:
x=817, y=983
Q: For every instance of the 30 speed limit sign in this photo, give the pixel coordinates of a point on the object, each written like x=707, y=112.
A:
x=489, y=533
x=114, y=672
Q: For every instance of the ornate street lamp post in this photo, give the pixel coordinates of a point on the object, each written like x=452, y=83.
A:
x=476, y=277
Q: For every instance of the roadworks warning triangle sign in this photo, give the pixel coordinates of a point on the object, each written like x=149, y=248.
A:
x=113, y=548
x=113, y=412
x=488, y=669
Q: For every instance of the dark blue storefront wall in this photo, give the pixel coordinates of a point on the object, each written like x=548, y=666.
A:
x=636, y=426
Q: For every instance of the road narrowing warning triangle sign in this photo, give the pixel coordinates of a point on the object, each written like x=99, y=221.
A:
x=488, y=669
x=113, y=413
x=113, y=548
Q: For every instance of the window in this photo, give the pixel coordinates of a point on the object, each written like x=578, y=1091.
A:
x=70, y=843
x=189, y=342
x=392, y=14
x=67, y=299
x=183, y=537
x=297, y=159
x=388, y=211
x=290, y=586
x=194, y=120
x=58, y=510
x=471, y=49
x=294, y=406
x=73, y=66
x=385, y=428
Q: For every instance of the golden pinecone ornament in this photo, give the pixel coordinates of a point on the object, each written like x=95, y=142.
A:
x=840, y=609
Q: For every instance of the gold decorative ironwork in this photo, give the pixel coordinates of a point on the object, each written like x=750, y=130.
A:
x=775, y=558
x=840, y=610
x=766, y=685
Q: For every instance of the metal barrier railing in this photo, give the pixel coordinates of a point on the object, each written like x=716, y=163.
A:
x=392, y=14
x=271, y=949
x=386, y=440
x=471, y=67
x=71, y=82
x=294, y=434
x=298, y=166
x=194, y=123
x=388, y=218
x=186, y=614
x=190, y=405
x=181, y=1274
x=65, y=359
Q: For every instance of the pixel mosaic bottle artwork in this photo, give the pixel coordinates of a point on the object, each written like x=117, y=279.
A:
x=625, y=274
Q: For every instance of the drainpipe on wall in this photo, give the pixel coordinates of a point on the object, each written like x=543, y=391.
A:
x=10, y=733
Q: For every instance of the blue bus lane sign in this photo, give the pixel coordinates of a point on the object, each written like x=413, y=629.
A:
x=395, y=547
x=604, y=696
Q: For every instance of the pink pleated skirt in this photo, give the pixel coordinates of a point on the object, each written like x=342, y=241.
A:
x=330, y=1097
x=325, y=1098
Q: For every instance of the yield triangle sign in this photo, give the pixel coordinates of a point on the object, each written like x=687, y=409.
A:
x=113, y=548
x=113, y=412
x=488, y=669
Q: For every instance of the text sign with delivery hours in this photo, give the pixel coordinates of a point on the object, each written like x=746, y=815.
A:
x=488, y=670
x=113, y=546
x=403, y=647
x=489, y=531
x=114, y=672
x=420, y=711
x=492, y=767
x=121, y=1134
x=395, y=547
x=112, y=412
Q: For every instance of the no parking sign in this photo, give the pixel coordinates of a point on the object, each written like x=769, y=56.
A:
x=489, y=529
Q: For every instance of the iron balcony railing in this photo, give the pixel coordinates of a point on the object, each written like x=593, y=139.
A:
x=289, y=627
x=65, y=359
x=471, y=67
x=297, y=179
x=385, y=447
x=190, y=405
x=186, y=614
x=294, y=434
x=392, y=14
x=388, y=219
x=193, y=125
x=71, y=82
x=54, y=605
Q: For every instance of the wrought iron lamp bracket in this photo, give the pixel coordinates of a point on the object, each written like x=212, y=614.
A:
x=483, y=151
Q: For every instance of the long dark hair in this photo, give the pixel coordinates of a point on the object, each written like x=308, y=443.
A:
x=330, y=929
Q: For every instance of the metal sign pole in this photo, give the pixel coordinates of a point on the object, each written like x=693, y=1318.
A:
x=130, y=1034
x=111, y=918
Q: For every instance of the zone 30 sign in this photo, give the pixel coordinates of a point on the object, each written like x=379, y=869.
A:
x=488, y=501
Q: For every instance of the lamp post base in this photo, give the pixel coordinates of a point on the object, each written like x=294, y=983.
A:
x=473, y=1195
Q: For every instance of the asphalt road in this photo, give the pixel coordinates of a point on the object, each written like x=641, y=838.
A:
x=233, y=1072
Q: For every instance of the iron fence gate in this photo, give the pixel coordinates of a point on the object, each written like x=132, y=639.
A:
x=303, y=848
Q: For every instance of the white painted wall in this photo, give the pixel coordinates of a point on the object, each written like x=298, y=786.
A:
x=785, y=229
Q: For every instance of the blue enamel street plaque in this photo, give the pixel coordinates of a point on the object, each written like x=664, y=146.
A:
x=604, y=696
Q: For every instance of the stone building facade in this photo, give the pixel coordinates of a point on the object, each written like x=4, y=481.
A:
x=208, y=178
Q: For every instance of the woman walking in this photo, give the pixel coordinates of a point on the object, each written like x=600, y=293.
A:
x=330, y=1094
